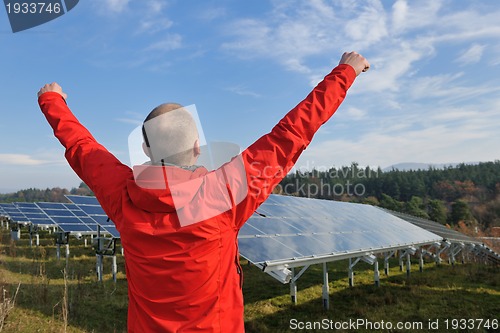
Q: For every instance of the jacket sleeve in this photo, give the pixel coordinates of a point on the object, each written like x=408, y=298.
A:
x=270, y=158
x=97, y=167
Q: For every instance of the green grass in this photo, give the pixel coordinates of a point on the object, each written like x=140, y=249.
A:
x=470, y=291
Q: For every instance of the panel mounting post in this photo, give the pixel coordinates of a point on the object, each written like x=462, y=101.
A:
x=293, y=287
x=351, y=273
x=326, y=288
x=408, y=264
x=386, y=262
x=401, y=261
x=114, y=268
x=421, y=260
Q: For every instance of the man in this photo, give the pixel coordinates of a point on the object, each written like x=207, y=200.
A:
x=179, y=224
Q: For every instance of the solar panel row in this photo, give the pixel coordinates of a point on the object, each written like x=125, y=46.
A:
x=292, y=229
x=439, y=229
x=14, y=213
x=69, y=217
x=284, y=229
x=94, y=211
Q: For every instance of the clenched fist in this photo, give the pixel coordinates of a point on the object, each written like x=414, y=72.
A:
x=356, y=60
x=54, y=87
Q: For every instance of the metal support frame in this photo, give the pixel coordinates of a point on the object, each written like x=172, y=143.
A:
x=351, y=270
x=408, y=264
x=455, y=249
x=61, y=238
x=369, y=259
x=285, y=275
x=326, y=288
x=104, y=247
x=386, y=262
x=469, y=249
x=15, y=230
x=446, y=245
x=401, y=263
x=376, y=274
x=407, y=253
x=421, y=260
x=33, y=233
x=293, y=283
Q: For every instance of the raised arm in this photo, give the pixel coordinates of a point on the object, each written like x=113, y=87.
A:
x=270, y=158
x=97, y=167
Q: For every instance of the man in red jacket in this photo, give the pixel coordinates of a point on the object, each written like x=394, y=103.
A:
x=180, y=238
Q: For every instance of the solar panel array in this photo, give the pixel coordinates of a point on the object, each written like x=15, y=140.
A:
x=93, y=209
x=291, y=229
x=284, y=229
x=14, y=213
x=68, y=217
x=34, y=214
x=439, y=229
x=81, y=218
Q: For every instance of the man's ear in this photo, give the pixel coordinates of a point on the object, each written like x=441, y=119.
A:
x=146, y=150
x=196, y=148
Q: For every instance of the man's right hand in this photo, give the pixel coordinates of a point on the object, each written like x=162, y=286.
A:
x=356, y=60
x=54, y=87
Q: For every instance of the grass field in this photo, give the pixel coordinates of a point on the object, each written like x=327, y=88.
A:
x=57, y=297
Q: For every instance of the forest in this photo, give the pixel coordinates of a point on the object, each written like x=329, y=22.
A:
x=467, y=194
x=55, y=194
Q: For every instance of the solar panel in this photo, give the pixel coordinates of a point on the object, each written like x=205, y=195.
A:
x=14, y=213
x=438, y=229
x=34, y=214
x=68, y=218
x=293, y=230
x=92, y=207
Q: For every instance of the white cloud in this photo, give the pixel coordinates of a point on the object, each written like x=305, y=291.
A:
x=156, y=6
x=436, y=144
x=25, y=160
x=168, y=43
x=354, y=113
x=369, y=26
x=154, y=25
x=242, y=91
x=211, y=14
x=399, y=14
x=415, y=15
x=133, y=118
x=471, y=55
x=153, y=17
x=293, y=31
x=388, y=68
x=115, y=6
x=418, y=134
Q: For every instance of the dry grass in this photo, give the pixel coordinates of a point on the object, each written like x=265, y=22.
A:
x=42, y=294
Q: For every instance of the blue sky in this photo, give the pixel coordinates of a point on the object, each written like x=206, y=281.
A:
x=432, y=94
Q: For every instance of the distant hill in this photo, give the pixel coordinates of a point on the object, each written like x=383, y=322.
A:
x=407, y=166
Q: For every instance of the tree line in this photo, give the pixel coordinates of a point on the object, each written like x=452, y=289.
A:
x=463, y=193
x=55, y=194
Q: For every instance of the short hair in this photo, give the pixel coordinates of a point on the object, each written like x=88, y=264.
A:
x=170, y=133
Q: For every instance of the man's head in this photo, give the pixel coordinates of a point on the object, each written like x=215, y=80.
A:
x=170, y=135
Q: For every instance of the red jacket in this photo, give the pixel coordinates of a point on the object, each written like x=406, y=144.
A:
x=188, y=278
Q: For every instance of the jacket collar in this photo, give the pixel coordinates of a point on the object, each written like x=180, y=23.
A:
x=163, y=189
